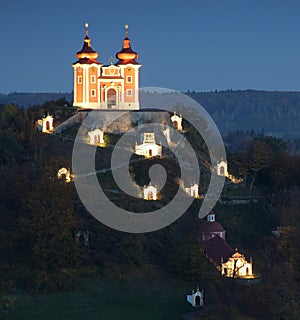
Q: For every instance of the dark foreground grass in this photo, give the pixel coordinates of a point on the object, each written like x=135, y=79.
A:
x=109, y=300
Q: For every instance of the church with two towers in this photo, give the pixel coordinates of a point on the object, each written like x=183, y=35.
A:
x=106, y=87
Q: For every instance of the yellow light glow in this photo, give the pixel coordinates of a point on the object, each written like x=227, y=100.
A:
x=66, y=173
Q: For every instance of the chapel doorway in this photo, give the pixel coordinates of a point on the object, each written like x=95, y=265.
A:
x=222, y=171
x=150, y=195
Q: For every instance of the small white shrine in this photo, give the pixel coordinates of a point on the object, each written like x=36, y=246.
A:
x=96, y=136
x=83, y=236
x=196, y=298
x=221, y=168
x=64, y=173
x=148, y=148
x=237, y=266
x=150, y=192
x=46, y=124
x=177, y=121
x=193, y=190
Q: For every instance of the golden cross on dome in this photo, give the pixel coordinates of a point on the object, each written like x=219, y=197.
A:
x=126, y=28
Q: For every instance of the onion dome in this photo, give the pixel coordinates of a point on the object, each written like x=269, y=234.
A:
x=127, y=55
x=87, y=53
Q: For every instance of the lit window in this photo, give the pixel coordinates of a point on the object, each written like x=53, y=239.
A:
x=129, y=92
x=79, y=79
x=93, y=79
x=93, y=93
x=129, y=79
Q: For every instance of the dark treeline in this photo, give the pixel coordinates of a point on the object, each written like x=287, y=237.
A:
x=26, y=99
x=48, y=240
x=272, y=112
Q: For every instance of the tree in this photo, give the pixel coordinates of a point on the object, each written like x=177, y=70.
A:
x=259, y=157
x=49, y=223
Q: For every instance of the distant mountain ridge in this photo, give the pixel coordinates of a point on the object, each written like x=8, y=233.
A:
x=27, y=99
x=273, y=112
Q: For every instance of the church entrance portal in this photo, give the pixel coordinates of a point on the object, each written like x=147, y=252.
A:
x=111, y=98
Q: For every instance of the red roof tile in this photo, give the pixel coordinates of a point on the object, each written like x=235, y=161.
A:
x=207, y=227
x=217, y=248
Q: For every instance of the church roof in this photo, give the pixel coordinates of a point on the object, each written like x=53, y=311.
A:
x=217, y=248
x=87, y=51
x=126, y=55
x=237, y=255
x=86, y=48
x=86, y=61
x=207, y=226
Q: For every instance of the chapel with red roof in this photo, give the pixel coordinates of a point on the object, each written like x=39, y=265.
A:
x=108, y=87
x=213, y=244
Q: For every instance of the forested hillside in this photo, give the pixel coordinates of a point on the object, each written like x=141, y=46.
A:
x=42, y=225
x=272, y=112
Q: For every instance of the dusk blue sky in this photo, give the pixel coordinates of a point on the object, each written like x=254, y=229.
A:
x=196, y=45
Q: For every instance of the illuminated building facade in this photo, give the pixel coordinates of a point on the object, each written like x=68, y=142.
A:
x=237, y=266
x=177, y=121
x=221, y=168
x=193, y=190
x=114, y=86
x=196, y=298
x=150, y=192
x=149, y=148
x=96, y=136
x=45, y=124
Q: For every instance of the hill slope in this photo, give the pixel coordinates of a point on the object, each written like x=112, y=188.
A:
x=274, y=112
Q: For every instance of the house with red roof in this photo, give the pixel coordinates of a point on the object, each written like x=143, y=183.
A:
x=229, y=262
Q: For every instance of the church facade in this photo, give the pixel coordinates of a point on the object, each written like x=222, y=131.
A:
x=108, y=87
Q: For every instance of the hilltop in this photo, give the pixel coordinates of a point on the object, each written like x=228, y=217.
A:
x=271, y=112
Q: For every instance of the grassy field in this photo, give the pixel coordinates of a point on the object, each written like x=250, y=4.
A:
x=132, y=299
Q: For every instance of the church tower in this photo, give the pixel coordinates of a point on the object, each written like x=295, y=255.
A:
x=106, y=87
x=86, y=73
x=130, y=72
